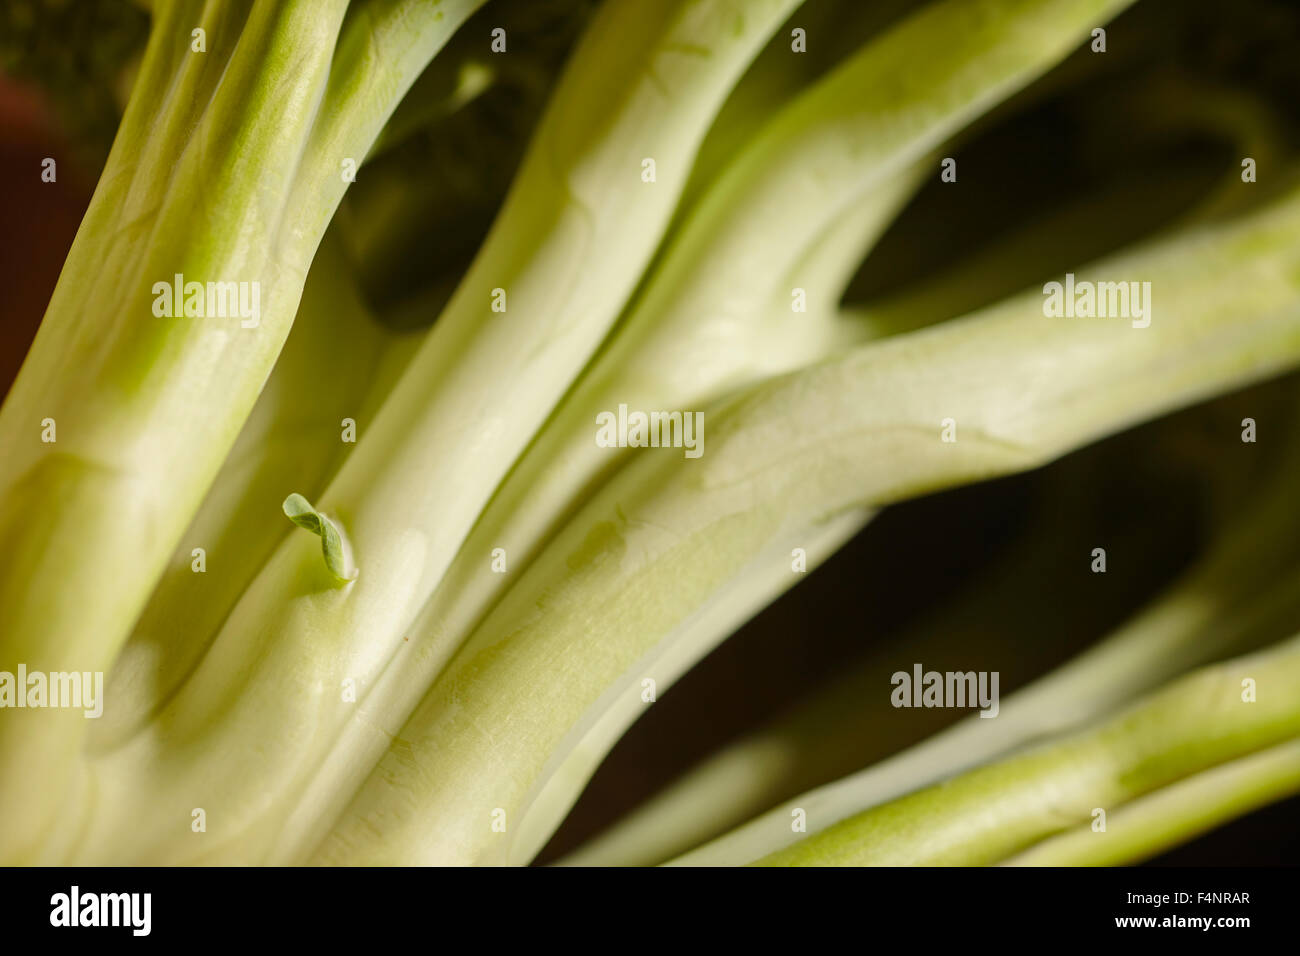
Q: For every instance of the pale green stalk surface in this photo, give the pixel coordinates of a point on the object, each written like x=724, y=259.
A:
x=225, y=169
x=1240, y=595
x=784, y=456
x=366, y=687
x=465, y=407
x=988, y=814
x=833, y=166
x=1175, y=814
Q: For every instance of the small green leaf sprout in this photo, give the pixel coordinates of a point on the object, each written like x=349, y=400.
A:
x=332, y=544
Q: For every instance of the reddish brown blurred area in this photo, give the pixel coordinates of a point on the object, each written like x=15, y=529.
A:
x=40, y=218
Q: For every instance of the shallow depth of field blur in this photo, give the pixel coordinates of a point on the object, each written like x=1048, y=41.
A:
x=1106, y=149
